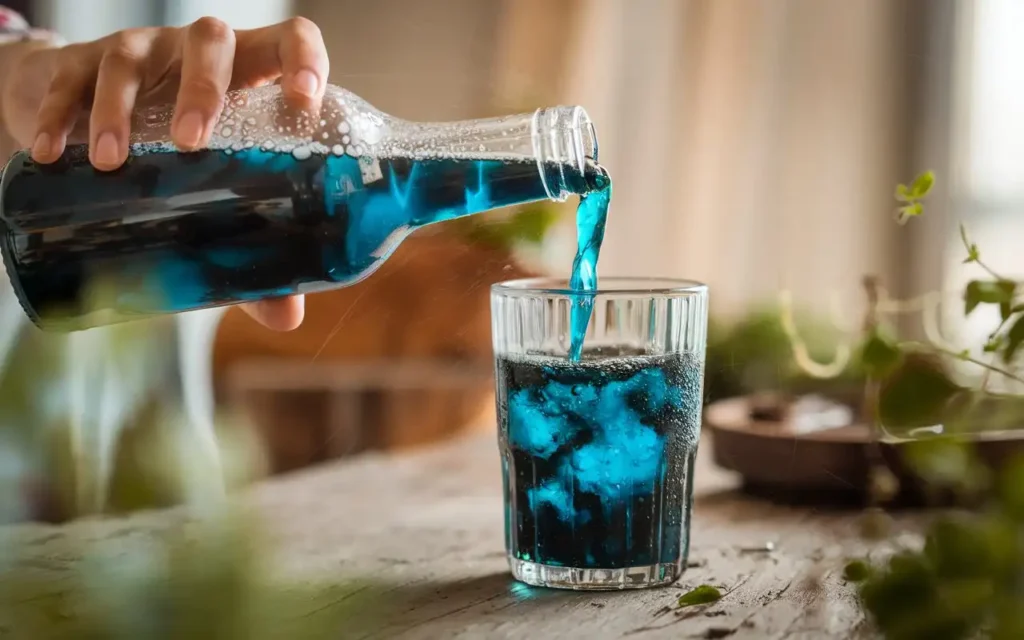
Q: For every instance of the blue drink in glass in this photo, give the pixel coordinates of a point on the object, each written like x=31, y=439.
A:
x=598, y=452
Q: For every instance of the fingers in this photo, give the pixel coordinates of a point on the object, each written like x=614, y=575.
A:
x=279, y=314
x=117, y=85
x=114, y=69
x=73, y=77
x=292, y=50
x=207, y=61
x=304, y=64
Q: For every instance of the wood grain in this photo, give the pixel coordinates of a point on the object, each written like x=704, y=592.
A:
x=429, y=526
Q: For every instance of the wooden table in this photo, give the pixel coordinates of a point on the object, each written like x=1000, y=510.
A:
x=430, y=525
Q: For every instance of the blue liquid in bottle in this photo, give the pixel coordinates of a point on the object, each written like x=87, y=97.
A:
x=171, y=232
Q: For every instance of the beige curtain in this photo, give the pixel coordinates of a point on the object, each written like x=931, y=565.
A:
x=753, y=144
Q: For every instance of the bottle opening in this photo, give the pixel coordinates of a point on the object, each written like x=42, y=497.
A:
x=564, y=137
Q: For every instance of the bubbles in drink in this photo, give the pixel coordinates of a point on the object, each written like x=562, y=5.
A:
x=599, y=454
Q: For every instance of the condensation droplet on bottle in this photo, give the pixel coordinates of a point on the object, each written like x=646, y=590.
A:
x=268, y=145
x=228, y=151
x=250, y=120
x=226, y=132
x=345, y=140
x=351, y=150
x=302, y=153
x=371, y=135
x=325, y=135
x=343, y=127
x=481, y=148
x=323, y=123
x=338, y=150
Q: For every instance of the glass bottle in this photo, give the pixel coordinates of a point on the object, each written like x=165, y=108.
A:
x=283, y=201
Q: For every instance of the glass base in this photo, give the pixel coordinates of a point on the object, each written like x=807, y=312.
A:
x=544, y=575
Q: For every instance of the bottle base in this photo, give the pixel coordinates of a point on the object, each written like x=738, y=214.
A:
x=577, y=579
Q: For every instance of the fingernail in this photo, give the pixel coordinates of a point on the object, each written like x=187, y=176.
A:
x=189, y=130
x=107, y=152
x=306, y=83
x=42, y=146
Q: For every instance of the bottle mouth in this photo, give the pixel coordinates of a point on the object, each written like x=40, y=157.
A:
x=566, y=138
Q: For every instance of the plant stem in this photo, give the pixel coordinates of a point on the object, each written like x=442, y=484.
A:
x=876, y=459
x=965, y=358
x=989, y=270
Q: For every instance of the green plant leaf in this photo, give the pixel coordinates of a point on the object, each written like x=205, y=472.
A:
x=993, y=344
x=988, y=292
x=957, y=548
x=880, y=356
x=1014, y=339
x=704, y=594
x=946, y=462
x=856, y=571
x=1011, y=488
x=904, y=588
x=915, y=395
x=922, y=184
x=903, y=193
x=908, y=211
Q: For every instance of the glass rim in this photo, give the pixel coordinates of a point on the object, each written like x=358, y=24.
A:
x=613, y=285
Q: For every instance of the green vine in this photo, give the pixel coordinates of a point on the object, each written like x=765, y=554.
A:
x=968, y=578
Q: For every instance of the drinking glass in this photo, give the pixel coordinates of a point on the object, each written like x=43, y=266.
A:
x=598, y=455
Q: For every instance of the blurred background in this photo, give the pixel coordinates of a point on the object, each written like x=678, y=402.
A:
x=754, y=145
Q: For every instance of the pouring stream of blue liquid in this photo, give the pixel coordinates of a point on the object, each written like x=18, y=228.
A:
x=590, y=222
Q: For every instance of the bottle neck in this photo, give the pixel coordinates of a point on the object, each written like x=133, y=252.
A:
x=564, y=138
x=561, y=141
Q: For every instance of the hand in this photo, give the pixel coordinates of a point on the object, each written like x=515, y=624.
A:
x=192, y=66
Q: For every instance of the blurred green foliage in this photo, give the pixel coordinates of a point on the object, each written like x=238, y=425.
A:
x=754, y=354
x=968, y=579
x=506, y=230
x=92, y=423
x=206, y=580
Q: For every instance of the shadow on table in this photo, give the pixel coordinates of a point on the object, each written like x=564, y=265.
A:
x=454, y=605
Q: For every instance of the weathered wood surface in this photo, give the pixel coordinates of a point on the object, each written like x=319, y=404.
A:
x=429, y=525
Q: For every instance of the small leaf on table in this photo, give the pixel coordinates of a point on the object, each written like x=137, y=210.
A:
x=704, y=594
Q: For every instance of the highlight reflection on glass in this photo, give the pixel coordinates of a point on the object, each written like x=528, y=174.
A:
x=598, y=454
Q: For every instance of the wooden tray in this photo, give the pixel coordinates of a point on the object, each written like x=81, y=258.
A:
x=794, y=456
